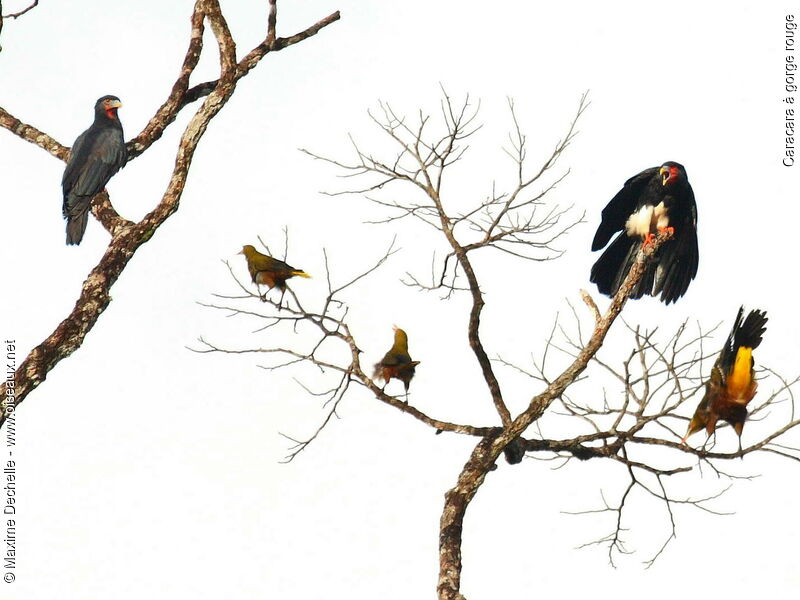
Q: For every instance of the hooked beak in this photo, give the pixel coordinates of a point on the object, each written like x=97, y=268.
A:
x=665, y=174
x=115, y=104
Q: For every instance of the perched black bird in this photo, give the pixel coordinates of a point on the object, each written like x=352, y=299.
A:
x=96, y=155
x=654, y=200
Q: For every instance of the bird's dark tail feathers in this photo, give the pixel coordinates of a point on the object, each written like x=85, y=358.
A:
x=615, y=263
x=677, y=265
x=748, y=334
x=668, y=273
x=76, y=211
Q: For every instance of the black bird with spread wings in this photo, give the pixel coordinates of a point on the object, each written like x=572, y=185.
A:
x=655, y=200
x=96, y=155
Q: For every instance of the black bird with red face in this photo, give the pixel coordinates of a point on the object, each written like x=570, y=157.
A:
x=96, y=155
x=656, y=199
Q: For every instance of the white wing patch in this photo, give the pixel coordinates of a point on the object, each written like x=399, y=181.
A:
x=647, y=220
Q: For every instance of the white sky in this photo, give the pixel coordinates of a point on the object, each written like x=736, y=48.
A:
x=148, y=471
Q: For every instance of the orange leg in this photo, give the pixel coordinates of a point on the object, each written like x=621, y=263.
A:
x=648, y=239
x=665, y=229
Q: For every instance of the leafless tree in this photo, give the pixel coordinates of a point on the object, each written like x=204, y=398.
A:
x=128, y=236
x=636, y=423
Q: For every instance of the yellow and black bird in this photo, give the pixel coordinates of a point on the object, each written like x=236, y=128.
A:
x=656, y=199
x=265, y=270
x=96, y=155
x=732, y=384
x=397, y=363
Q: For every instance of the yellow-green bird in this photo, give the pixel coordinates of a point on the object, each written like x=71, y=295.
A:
x=265, y=270
x=396, y=362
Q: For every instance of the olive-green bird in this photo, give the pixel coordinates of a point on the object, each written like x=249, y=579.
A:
x=265, y=270
x=397, y=363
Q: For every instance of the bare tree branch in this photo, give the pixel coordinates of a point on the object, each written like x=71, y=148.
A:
x=509, y=222
x=15, y=15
